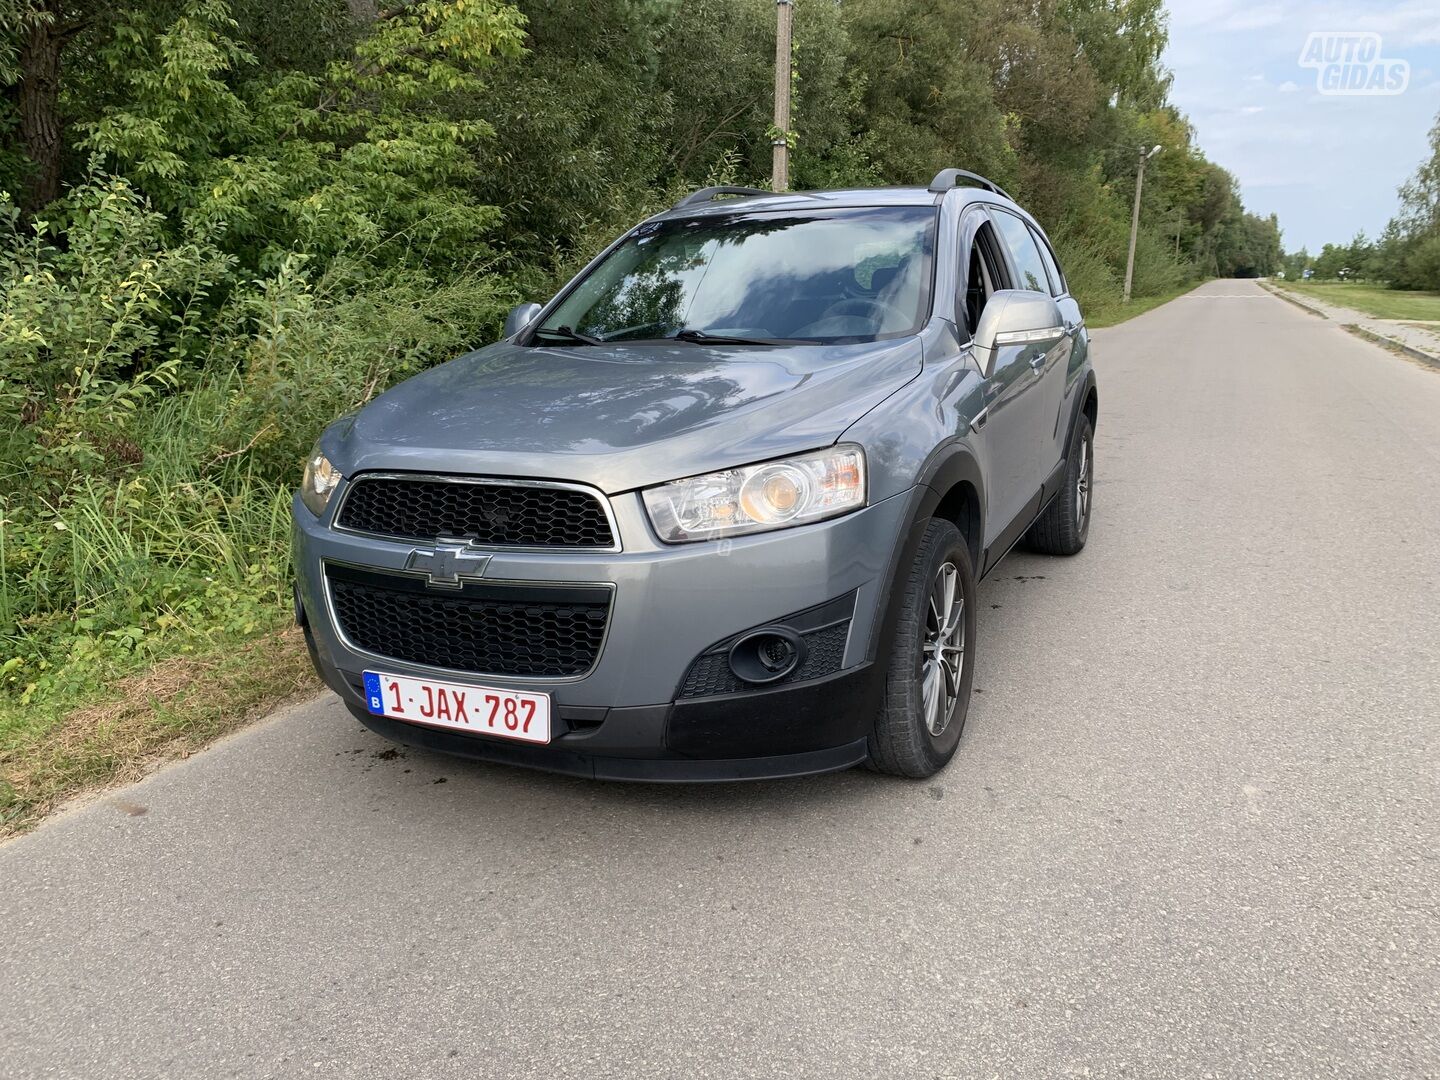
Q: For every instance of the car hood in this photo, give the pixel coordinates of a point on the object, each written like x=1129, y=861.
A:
x=619, y=417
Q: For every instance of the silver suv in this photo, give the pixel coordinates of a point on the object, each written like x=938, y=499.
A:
x=718, y=510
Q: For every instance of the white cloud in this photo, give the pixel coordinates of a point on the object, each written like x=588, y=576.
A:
x=1250, y=110
x=1288, y=87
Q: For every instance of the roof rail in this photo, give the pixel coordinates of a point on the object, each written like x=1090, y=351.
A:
x=706, y=194
x=946, y=179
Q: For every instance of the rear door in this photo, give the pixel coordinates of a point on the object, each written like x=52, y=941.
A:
x=1042, y=442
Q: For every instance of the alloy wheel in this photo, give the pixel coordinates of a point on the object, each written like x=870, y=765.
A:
x=1082, y=486
x=943, y=651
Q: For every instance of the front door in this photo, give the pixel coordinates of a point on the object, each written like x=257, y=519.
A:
x=1049, y=360
x=1012, y=407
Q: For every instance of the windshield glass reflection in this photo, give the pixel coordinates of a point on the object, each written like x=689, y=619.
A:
x=823, y=276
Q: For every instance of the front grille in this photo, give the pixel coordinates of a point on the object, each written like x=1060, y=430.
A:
x=487, y=629
x=484, y=512
x=711, y=674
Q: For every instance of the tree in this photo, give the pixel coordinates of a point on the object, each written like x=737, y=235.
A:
x=1411, y=245
x=1296, y=263
x=364, y=150
x=38, y=34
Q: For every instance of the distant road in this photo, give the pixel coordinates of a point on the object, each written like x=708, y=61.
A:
x=1191, y=830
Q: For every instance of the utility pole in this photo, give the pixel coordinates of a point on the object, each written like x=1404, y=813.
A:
x=1145, y=155
x=780, y=145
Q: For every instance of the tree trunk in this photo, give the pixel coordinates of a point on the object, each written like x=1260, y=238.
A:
x=39, y=105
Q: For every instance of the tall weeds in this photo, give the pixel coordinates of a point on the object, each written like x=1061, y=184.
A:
x=147, y=465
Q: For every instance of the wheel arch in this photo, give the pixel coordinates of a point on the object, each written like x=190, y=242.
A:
x=954, y=490
x=951, y=473
x=1087, y=404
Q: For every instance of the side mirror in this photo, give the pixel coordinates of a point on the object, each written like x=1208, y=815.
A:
x=521, y=316
x=1016, y=317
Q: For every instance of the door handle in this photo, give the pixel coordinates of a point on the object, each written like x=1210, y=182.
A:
x=1037, y=363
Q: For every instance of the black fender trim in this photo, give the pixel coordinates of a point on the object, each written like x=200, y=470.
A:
x=1078, y=409
x=948, y=466
x=922, y=502
x=951, y=463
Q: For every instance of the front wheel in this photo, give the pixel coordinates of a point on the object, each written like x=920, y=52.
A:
x=932, y=660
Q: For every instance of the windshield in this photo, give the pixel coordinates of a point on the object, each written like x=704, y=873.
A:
x=822, y=276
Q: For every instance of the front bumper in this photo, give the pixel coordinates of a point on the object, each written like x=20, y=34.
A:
x=630, y=744
x=627, y=717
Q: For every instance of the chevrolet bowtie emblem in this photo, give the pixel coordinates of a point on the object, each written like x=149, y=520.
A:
x=448, y=564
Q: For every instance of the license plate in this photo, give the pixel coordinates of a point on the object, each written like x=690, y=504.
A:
x=483, y=710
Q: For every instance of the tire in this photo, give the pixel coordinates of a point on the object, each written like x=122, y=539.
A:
x=1063, y=527
x=905, y=742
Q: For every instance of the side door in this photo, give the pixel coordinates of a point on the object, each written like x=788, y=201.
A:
x=1043, y=451
x=1074, y=321
x=1003, y=427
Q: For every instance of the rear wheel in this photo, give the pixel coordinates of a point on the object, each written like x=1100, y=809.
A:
x=1062, y=529
x=932, y=659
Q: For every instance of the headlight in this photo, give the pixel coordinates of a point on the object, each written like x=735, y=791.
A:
x=321, y=480
x=772, y=495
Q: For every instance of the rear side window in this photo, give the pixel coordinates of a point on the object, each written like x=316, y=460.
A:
x=1029, y=266
x=1057, y=283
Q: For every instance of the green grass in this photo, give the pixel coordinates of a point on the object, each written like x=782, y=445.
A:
x=126, y=726
x=1374, y=300
x=154, y=622
x=1112, y=312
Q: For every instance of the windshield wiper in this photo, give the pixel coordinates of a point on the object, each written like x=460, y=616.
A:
x=700, y=337
x=566, y=333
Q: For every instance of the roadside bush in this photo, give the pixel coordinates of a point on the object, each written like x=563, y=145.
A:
x=91, y=330
x=1087, y=271
x=1156, y=269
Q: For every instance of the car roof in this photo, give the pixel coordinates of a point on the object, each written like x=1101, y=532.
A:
x=842, y=197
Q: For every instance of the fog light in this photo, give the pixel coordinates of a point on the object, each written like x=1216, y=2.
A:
x=776, y=654
x=767, y=655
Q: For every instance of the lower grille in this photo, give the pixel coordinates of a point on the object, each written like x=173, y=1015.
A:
x=482, y=628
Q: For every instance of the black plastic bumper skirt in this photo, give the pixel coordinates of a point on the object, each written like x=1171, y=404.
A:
x=792, y=730
x=560, y=758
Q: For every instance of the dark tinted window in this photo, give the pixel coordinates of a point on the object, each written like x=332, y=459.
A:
x=985, y=274
x=854, y=274
x=1057, y=283
x=1023, y=252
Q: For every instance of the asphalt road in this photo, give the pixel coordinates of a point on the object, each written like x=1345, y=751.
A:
x=1191, y=830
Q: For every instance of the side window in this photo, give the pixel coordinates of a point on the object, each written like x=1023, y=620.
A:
x=984, y=274
x=1057, y=283
x=1023, y=252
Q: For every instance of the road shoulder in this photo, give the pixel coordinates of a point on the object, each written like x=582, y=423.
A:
x=1392, y=334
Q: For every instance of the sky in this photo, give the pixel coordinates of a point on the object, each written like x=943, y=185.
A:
x=1327, y=165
